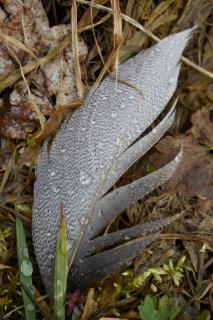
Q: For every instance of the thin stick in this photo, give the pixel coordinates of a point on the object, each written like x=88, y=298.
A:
x=74, y=44
x=151, y=35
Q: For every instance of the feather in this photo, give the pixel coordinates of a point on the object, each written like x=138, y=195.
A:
x=101, y=265
x=81, y=165
x=138, y=149
x=113, y=203
x=90, y=247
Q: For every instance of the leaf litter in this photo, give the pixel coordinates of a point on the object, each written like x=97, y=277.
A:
x=52, y=87
x=195, y=175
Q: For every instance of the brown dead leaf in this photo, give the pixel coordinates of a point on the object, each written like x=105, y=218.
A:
x=51, y=85
x=90, y=305
x=194, y=177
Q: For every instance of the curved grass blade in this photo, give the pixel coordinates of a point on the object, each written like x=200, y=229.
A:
x=43, y=311
x=25, y=270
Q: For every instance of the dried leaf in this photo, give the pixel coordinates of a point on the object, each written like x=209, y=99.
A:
x=52, y=84
x=195, y=174
x=90, y=305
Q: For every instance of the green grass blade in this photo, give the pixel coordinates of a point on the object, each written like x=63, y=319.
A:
x=43, y=311
x=25, y=270
x=61, y=271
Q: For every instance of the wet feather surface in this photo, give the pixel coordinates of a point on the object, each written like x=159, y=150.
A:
x=91, y=151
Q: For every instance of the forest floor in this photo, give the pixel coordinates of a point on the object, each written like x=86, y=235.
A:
x=172, y=279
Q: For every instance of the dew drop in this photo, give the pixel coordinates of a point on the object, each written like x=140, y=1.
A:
x=30, y=307
x=48, y=234
x=62, y=150
x=83, y=129
x=118, y=142
x=113, y=114
x=126, y=238
x=92, y=121
x=25, y=253
x=64, y=248
x=100, y=213
x=85, y=178
x=52, y=174
x=171, y=81
x=26, y=268
x=58, y=283
x=154, y=131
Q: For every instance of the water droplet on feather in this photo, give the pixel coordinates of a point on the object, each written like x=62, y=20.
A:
x=100, y=213
x=126, y=237
x=171, y=81
x=118, y=142
x=154, y=131
x=113, y=114
x=85, y=178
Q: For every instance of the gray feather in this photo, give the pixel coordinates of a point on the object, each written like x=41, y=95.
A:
x=88, y=145
x=138, y=149
x=115, y=202
x=90, y=247
x=101, y=265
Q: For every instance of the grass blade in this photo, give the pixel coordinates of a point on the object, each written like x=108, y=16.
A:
x=61, y=270
x=26, y=270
